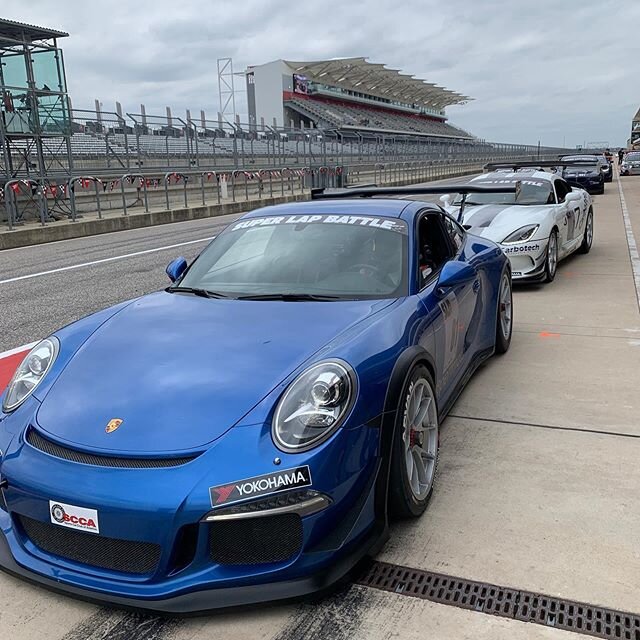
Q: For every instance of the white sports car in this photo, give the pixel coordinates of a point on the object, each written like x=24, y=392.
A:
x=630, y=164
x=543, y=222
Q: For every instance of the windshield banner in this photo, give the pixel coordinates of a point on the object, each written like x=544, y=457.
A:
x=388, y=224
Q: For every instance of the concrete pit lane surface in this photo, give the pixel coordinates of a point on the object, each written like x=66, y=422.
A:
x=538, y=490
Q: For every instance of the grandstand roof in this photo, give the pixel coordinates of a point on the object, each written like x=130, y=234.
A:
x=15, y=30
x=357, y=74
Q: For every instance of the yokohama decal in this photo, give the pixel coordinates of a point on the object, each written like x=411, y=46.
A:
x=260, y=486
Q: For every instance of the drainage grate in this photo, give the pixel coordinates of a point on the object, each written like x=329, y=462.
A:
x=503, y=601
x=578, y=616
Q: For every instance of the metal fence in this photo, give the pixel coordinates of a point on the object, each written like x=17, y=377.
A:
x=84, y=195
x=117, y=164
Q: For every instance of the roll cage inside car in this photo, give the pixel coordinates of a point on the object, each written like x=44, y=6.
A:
x=439, y=238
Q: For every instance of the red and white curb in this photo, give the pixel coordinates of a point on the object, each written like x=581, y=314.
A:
x=9, y=361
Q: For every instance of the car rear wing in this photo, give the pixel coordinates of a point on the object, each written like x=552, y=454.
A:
x=372, y=192
x=533, y=164
x=442, y=189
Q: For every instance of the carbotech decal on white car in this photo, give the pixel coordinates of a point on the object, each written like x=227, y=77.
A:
x=526, y=248
x=522, y=222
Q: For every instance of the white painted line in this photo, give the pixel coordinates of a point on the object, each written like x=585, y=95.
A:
x=94, y=262
x=631, y=242
x=12, y=352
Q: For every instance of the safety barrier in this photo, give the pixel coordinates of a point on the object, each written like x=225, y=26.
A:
x=10, y=191
x=190, y=188
x=84, y=182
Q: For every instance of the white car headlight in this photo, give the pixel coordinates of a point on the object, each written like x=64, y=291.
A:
x=30, y=373
x=314, y=406
x=521, y=235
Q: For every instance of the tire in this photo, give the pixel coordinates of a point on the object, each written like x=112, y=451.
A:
x=504, y=319
x=410, y=492
x=587, y=238
x=551, y=263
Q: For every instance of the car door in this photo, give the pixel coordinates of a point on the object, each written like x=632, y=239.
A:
x=475, y=296
x=454, y=306
x=565, y=216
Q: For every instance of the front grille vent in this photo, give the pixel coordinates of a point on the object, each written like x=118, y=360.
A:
x=53, y=449
x=126, y=556
x=257, y=540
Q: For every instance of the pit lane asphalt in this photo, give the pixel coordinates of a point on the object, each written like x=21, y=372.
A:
x=33, y=307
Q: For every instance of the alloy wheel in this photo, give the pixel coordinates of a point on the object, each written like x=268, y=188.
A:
x=505, y=306
x=420, y=437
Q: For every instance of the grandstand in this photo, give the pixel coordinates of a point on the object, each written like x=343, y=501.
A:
x=634, y=140
x=346, y=113
x=349, y=94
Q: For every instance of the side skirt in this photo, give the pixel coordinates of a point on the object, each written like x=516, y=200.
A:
x=478, y=359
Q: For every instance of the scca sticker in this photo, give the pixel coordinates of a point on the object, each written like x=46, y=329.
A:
x=388, y=224
x=260, y=486
x=68, y=515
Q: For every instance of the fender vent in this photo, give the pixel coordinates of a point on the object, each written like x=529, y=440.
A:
x=53, y=449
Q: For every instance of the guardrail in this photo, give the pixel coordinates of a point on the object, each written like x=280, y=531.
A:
x=88, y=195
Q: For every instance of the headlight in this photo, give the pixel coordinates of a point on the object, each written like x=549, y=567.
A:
x=521, y=235
x=314, y=406
x=30, y=373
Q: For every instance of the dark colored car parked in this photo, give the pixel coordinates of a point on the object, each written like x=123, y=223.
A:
x=589, y=172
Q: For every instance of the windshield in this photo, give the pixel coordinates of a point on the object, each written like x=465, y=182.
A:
x=531, y=192
x=634, y=157
x=344, y=257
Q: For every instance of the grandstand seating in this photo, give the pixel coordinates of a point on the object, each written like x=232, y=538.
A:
x=340, y=114
x=82, y=144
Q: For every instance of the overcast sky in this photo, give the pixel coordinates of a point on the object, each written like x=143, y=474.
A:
x=550, y=70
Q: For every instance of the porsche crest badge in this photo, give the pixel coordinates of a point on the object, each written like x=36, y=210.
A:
x=112, y=425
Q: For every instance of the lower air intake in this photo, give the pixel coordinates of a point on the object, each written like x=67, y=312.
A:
x=256, y=540
x=126, y=556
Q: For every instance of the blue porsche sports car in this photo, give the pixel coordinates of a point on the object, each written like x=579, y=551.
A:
x=246, y=434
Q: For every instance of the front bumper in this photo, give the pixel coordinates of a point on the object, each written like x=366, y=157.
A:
x=148, y=506
x=202, y=600
x=629, y=171
x=527, y=259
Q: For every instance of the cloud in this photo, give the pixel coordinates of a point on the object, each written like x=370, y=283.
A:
x=544, y=71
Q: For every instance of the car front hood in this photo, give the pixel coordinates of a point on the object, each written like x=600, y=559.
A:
x=180, y=370
x=498, y=221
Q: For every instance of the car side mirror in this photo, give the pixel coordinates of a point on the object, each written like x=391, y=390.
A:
x=176, y=268
x=572, y=196
x=455, y=273
x=446, y=200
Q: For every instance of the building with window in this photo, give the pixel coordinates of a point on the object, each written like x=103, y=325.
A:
x=348, y=94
